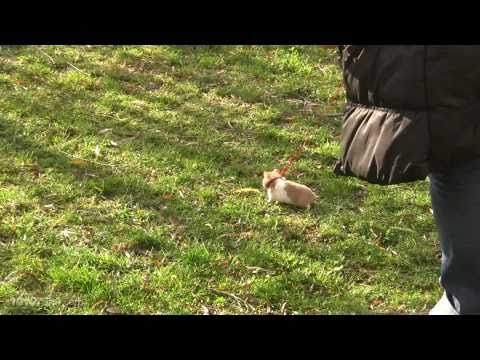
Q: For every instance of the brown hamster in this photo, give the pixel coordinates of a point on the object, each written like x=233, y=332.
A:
x=285, y=191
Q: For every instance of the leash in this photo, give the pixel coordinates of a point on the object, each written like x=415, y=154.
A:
x=293, y=159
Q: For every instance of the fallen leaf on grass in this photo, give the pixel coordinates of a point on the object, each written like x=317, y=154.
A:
x=104, y=131
x=247, y=191
x=375, y=303
x=78, y=162
x=94, y=306
x=257, y=269
x=167, y=196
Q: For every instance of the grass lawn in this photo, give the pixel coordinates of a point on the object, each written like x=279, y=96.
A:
x=130, y=182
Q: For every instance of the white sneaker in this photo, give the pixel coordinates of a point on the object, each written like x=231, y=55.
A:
x=443, y=307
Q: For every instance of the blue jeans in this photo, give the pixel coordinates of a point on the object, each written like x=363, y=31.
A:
x=456, y=207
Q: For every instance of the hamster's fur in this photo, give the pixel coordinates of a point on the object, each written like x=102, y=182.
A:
x=285, y=191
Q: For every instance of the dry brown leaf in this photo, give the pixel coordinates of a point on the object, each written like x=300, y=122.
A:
x=247, y=191
x=78, y=162
x=96, y=304
x=376, y=302
x=167, y=196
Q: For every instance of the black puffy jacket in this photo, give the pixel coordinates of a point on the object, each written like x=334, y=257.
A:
x=411, y=110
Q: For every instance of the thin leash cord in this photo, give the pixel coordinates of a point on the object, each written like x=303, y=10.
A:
x=296, y=155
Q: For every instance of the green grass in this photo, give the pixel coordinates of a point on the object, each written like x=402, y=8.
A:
x=154, y=223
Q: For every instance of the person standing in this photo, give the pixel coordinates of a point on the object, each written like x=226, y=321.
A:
x=414, y=112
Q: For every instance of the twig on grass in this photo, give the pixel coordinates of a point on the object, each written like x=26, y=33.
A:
x=233, y=296
x=86, y=160
x=53, y=62
x=76, y=68
x=48, y=56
